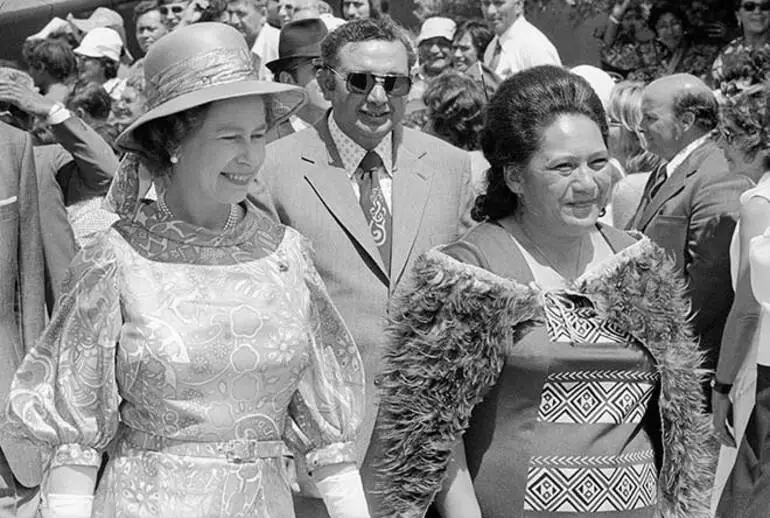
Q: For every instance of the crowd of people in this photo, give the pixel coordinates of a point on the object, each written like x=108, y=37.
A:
x=297, y=262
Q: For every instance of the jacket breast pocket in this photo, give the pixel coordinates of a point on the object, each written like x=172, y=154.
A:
x=670, y=232
x=9, y=209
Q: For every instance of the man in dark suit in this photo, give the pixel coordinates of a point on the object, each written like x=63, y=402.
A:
x=299, y=48
x=370, y=194
x=22, y=307
x=690, y=204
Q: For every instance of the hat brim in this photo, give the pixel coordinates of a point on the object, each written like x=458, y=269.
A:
x=279, y=64
x=285, y=100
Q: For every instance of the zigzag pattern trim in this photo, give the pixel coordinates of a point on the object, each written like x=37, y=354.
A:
x=591, y=397
x=591, y=484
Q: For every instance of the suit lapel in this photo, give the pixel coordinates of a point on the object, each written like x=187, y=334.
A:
x=411, y=186
x=675, y=183
x=330, y=182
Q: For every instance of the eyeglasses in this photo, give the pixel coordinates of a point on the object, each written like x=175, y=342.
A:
x=752, y=6
x=173, y=8
x=363, y=82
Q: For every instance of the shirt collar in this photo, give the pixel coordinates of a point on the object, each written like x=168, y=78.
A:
x=510, y=32
x=680, y=157
x=352, y=153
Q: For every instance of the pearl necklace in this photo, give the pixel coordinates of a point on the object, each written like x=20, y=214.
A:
x=232, y=217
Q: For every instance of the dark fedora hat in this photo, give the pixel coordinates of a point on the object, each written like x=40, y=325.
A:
x=300, y=39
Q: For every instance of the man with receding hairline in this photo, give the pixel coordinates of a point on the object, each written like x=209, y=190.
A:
x=690, y=204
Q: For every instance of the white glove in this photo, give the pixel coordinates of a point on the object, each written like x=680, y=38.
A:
x=340, y=486
x=59, y=505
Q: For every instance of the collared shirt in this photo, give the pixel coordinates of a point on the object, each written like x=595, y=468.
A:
x=298, y=124
x=351, y=154
x=266, y=48
x=680, y=157
x=522, y=46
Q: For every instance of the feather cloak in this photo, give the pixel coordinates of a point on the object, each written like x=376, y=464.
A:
x=450, y=330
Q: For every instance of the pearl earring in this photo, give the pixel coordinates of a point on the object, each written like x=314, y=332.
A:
x=173, y=159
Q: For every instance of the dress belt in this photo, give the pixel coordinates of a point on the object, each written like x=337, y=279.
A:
x=236, y=451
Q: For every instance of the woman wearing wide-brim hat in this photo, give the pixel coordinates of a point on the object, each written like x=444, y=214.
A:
x=194, y=342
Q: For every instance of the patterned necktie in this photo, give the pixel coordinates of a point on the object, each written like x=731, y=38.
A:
x=373, y=204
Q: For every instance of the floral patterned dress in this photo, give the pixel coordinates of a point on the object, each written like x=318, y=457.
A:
x=739, y=66
x=198, y=361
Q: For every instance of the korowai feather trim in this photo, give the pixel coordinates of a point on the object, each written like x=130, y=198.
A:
x=450, y=331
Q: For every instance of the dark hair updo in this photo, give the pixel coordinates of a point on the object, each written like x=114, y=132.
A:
x=521, y=109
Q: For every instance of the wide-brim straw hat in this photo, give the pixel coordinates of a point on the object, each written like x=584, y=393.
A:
x=203, y=63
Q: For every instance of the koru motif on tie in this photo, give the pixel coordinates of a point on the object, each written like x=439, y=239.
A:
x=373, y=203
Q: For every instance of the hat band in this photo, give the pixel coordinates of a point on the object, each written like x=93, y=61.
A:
x=217, y=67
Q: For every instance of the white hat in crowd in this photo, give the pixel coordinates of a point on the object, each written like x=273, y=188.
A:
x=437, y=27
x=600, y=81
x=101, y=42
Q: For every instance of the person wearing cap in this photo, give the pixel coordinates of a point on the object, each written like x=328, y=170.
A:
x=517, y=44
x=299, y=51
x=194, y=337
x=371, y=194
x=434, y=45
x=99, y=58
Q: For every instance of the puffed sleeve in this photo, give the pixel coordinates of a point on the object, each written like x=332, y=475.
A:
x=64, y=395
x=327, y=408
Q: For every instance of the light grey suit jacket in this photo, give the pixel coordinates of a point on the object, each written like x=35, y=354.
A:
x=303, y=183
x=21, y=281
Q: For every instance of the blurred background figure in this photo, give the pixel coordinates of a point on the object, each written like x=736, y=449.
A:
x=101, y=17
x=517, y=44
x=749, y=54
x=149, y=24
x=273, y=15
x=455, y=113
x=434, y=46
x=360, y=9
x=250, y=18
x=91, y=103
x=740, y=397
x=293, y=10
x=470, y=40
x=678, y=47
x=99, y=58
x=627, y=147
x=172, y=11
x=626, y=42
x=299, y=52
x=52, y=65
x=130, y=105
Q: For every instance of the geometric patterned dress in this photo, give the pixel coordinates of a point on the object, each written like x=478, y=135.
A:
x=568, y=429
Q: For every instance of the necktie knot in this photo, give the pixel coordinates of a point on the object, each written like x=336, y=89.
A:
x=370, y=162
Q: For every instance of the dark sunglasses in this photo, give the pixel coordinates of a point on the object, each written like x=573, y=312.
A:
x=752, y=6
x=363, y=82
x=165, y=9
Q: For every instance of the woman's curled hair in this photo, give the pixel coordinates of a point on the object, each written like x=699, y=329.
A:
x=160, y=139
x=455, y=104
x=521, y=109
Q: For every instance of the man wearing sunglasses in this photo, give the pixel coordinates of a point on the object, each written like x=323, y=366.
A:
x=171, y=11
x=370, y=194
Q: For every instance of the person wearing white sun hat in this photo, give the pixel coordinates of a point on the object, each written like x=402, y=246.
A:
x=98, y=58
x=194, y=337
